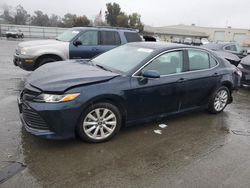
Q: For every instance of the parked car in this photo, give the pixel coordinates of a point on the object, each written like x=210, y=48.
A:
x=14, y=33
x=133, y=83
x=230, y=47
x=196, y=42
x=244, y=66
x=188, y=41
x=149, y=38
x=233, y=59
x=176, y=40
x=204, y=41
x=76, y=43
x=218, y=47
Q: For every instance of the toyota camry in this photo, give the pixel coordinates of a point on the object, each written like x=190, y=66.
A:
x=133, y=83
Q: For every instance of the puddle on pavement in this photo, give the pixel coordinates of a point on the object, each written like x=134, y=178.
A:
x=9, y=169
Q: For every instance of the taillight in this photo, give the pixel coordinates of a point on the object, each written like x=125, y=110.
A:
x=238, y=72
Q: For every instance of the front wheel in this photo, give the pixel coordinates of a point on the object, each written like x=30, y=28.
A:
x=219, y=100
x=99, y=123
x=45, y=60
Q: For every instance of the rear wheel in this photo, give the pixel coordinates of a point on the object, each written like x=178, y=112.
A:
x=219, y=100
x=99, y=123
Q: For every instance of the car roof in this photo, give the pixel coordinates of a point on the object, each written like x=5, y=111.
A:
x=161, y=46
x=104, y=28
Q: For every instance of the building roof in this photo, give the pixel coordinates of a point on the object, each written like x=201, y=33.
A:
x=174, y=31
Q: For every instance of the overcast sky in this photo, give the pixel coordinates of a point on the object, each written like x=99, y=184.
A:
x=218, y=13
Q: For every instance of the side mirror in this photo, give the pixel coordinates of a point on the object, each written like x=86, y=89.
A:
x=151, y=74
x=77, y=43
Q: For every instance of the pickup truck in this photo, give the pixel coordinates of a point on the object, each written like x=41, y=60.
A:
x=75, y=43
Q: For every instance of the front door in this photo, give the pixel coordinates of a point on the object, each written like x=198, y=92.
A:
x=88, y=46
x=150, y=97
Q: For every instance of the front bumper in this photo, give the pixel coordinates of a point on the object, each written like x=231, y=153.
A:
x=24, y=62
x=50, y=121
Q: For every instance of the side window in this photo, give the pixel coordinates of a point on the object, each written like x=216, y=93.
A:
x=168, y=63
x=89, y=38
x=231, y=48
x=213, y=62
x=198, y=60
x=132, y=37
x=110, y=38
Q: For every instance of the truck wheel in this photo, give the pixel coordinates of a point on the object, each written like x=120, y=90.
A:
x=46, y=60
x=99, y=123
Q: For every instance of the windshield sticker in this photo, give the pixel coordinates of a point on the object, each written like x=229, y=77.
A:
x=145, y=50
x=75, y=32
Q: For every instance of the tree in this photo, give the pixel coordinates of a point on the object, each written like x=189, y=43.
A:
x=135, y=22
x=40, y=19
x=21, y=17
x=112, y=12
x=81, y=21
x=122, y=20
x=7, y=14
x=55, y=21
x=115, y=17
x=68, y=20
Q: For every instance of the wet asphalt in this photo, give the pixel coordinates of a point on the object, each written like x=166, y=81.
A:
x=194, y=150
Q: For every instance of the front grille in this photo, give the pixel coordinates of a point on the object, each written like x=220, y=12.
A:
x=33, y=119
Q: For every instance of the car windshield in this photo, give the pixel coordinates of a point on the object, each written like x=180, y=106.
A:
x=68, y=35
x=123, y=59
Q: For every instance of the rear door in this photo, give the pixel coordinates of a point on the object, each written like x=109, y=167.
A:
x=200, y=80
x=108, y=40
x=89, y=45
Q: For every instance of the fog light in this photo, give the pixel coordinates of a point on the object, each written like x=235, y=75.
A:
x=28, y=60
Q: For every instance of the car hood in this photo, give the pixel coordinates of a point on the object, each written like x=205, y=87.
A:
x=245, y=60
x=60, y=76
x=36, y=43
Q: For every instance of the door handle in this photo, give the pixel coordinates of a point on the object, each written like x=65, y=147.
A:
x=215, y=74
x=181, y=80
x=94, y=49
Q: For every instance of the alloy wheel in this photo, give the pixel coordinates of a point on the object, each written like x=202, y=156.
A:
x=100, y=123
x=220, y=100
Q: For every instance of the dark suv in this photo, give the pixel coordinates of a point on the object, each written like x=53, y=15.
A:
x=75, y=43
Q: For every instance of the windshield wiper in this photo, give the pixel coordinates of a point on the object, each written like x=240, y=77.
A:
x=102, y=67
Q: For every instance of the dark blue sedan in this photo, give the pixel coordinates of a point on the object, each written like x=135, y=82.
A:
x=133, y=83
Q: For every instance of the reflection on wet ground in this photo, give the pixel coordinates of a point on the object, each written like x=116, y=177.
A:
x=194, y=149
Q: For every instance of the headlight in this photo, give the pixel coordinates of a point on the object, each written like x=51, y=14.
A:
x=23, y=51
x=240, y=66
x=56, y=98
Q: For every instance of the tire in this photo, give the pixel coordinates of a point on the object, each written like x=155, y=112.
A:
x=45, y=60
x=219, y=100
x=96, y=130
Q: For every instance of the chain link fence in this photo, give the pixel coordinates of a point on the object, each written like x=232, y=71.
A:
x=33, y=31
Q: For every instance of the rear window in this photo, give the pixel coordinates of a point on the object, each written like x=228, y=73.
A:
x=213, y=62
x=132, y=37
x=110, y=38
x=198, y=60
